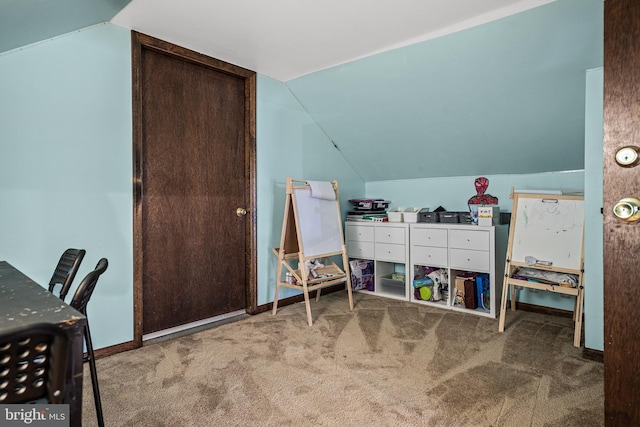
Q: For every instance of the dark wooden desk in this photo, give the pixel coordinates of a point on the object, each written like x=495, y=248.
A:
x=24, y=302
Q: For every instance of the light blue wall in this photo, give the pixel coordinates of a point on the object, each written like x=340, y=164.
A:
x=593, y=197
x=505, y=97
x=289, y=143
x=453, y=194
x=65, y=180
x=28, y=21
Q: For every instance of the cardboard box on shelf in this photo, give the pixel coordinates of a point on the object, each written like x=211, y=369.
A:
x=362, y=274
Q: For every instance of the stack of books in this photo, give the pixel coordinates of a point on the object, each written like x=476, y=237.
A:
x=368, y=210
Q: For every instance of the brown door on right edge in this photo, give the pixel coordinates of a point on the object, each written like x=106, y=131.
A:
x=192, y=154
x=621, y=237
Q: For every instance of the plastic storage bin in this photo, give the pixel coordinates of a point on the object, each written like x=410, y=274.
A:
x=411, y=215
x=395, y=216
x=429, y=216
x=450, y=217
x=369, y=204
x=390, y=284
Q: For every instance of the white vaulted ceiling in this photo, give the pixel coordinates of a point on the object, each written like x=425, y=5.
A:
x=285, y=39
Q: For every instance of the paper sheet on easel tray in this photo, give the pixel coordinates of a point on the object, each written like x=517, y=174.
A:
x=322, y=190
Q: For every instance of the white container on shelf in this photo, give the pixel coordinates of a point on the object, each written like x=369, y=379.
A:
x=396, y=216
x=488, y=215
x=411, y=214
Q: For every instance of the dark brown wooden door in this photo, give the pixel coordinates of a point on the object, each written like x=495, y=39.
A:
x=621, y=239
x=193, y=156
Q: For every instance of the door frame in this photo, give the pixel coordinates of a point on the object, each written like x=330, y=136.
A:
x=139, y=42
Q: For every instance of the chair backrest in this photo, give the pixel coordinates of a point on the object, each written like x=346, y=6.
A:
x=66, y=270
x=85, y=288
x=33, y=364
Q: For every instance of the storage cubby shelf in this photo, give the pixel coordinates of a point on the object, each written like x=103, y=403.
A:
x=454, y=248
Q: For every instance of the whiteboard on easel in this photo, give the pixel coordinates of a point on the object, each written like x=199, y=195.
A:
x=549, y=228
x=319, y=224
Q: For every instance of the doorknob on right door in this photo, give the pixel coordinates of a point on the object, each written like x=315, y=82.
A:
x=627, y=209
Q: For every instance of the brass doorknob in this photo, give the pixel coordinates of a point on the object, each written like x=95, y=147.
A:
x=241, y=211
x=627, y=209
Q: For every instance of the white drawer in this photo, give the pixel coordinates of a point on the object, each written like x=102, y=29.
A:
x=390, y=235
x=357, y=249
x=469, y=239
x=469, y=260
x=360, y=233
x=429, y=237
x=390, y=252
x=429, y=256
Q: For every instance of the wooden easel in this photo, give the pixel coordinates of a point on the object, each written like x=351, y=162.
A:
x=559, y=242
x=326, y=225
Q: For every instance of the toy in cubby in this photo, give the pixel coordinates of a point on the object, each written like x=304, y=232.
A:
x=362, y=274
x=430, y=283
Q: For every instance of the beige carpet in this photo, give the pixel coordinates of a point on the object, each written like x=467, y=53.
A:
x=386, y=363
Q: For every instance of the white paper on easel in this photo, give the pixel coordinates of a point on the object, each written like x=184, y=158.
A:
x=322, y=190
x=319, y=224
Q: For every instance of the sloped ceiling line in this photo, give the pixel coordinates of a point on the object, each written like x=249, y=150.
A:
x=347, y=160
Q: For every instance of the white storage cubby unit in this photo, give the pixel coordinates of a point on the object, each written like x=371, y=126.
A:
x=387, y=244
x=459, y=249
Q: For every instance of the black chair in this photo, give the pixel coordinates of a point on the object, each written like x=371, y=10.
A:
x=33, y=364
x=79, y=302
x=66, y=270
